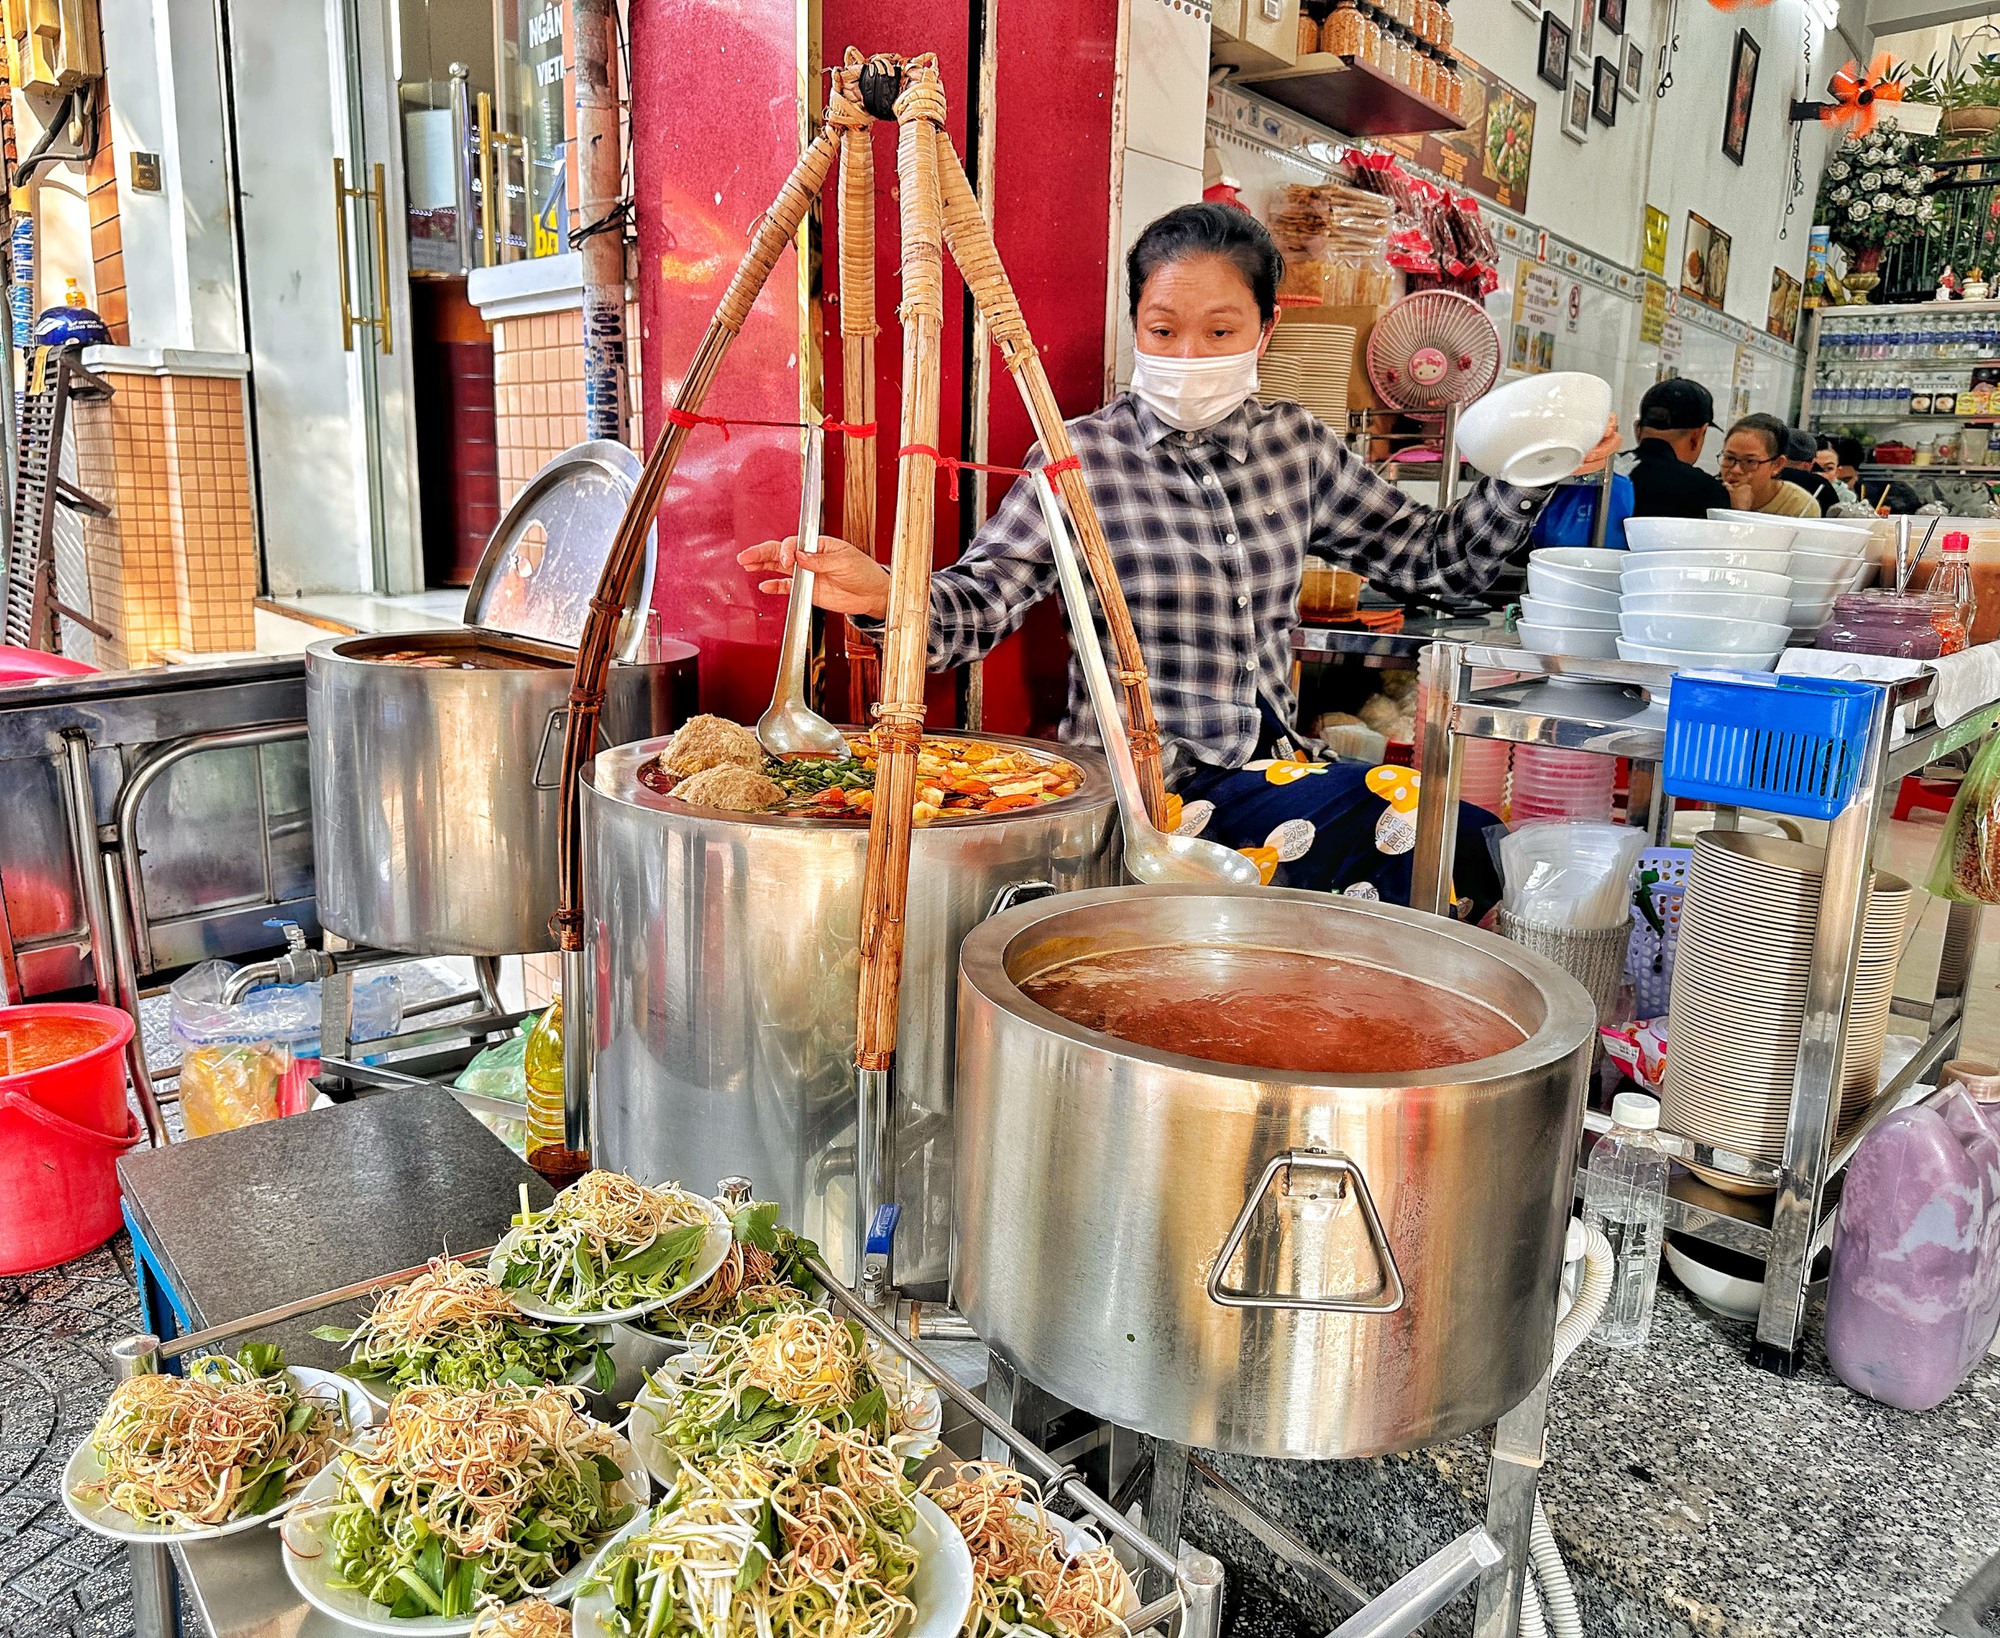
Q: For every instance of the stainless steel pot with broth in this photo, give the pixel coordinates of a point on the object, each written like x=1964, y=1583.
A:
x=1320, y=1262
x=725, y=967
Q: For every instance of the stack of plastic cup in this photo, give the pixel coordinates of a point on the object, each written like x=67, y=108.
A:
x=1482, y=779
x=1553, y=784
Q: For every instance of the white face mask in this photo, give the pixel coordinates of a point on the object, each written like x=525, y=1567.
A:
x=1192, y=393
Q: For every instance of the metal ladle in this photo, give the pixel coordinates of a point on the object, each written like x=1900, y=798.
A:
x=790, y=726
x=1151, y=855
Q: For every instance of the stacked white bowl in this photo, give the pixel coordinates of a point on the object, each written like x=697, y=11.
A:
x=1828, y=556
x=1705, y=592
x=1572, y=602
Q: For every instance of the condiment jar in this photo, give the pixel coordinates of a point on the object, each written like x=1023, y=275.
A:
x=1896, y=625
x=1341, y=33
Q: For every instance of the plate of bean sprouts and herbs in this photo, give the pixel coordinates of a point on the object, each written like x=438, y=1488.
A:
x=777, y=1375
x=228, y=1446
x=764, y=1269
x=458, y=1502
x=609, y=1248
x=822, y=1537
x=454, y=1327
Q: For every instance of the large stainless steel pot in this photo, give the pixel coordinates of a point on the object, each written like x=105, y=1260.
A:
x=1270, y=1263
x=435, y=791
x=724, y=969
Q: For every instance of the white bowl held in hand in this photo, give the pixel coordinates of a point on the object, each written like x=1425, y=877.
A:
x=1713, y=557
x=1703, y=632
x=1565, y=617
x=1583, y=645
x=1721, y=605
x=1536, y=430
x=1646, y=578
x=1707, y=534
x=1682, y=659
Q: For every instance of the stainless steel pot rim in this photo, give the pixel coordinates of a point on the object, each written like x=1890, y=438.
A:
x=1571, y=1020
x=615, y=776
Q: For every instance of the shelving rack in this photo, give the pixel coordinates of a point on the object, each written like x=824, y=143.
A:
x=1618, y=708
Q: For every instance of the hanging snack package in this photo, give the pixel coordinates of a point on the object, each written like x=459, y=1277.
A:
x=1967, y=865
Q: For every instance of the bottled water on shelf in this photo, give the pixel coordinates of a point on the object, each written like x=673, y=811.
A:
x=1625, y=1194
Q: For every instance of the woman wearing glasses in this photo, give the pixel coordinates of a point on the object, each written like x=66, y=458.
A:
x=1752, y=468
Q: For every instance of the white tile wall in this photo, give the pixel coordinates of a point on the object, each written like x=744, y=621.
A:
x=1152, y=186
x=1166, y=81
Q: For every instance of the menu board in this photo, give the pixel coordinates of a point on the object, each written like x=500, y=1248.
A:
x=1490, y=157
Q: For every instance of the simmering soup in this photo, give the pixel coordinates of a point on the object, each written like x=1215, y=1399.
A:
x=1271, y=1009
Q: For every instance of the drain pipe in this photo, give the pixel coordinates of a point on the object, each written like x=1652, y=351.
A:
x=601, y=211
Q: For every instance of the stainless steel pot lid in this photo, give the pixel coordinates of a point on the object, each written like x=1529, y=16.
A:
x=542, y=565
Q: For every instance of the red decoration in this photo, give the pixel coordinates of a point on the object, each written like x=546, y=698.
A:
x=1858, y=96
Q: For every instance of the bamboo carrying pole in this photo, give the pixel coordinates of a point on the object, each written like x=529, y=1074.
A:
x=938, y=207
x=858, y=330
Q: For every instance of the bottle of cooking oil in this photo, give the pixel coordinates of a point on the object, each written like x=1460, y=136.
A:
x=544, y=1064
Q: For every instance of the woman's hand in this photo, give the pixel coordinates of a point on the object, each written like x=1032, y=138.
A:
x=1605, y=448
x=846, y=580
x=1740, y=497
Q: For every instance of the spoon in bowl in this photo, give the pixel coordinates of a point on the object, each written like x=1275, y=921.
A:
x=790, y=726
x=1151, y=855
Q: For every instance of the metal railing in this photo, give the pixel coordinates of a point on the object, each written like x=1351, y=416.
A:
x=1967, y=234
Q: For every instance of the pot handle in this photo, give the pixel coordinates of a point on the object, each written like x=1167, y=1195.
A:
x=68, y=1130
x=1019, y=893
x=552, y=737
x=1317, y=1160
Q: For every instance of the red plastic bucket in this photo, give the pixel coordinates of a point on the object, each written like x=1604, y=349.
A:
x=88, y=1088
x=58, y=1184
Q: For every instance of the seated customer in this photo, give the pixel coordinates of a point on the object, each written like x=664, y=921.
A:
x=1826, y=462
x=1799, y=469
x=1674, y=418
x=1752, y=463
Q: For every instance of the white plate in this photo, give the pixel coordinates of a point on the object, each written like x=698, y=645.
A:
x=379, y=1393
x=714, y=1248
x=920, y=1436
x=308, y=1556
x=942, y=1589
x=101, y=1518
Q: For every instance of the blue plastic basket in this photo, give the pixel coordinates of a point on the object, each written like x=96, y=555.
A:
x=1784, y=744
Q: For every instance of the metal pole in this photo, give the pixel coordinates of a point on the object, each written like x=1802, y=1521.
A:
x=154, y=1608
x=462, y=163
x=1600, y=523
x=1448, y=457
x=600, y=186
x=576, y=1051
x=1441, y=666
x=1418, y=1596
x=1512, y=1477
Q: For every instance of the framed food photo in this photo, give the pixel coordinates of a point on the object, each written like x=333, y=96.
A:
x=1742, y=92
x=1583, y=30
x=1604, y=92
x=1576, y=109
x=1611, y=13
x=1632, y=78
x=1532, y=8
x=1553, y=60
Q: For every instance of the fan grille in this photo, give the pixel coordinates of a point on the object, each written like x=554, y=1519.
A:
x=1431, y=350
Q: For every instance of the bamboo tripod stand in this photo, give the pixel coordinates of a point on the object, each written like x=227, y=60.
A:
x=939, y=210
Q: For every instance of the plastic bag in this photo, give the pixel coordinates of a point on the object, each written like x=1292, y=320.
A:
x=501, y=1072
x=1967, y=866
x=226, y=1086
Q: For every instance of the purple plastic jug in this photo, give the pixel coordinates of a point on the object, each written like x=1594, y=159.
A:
x=1914, y=1296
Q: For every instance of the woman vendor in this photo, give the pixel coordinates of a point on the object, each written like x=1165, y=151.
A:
x=1210, y=501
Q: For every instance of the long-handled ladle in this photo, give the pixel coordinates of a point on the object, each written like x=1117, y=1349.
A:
x=1151, y=855
x=790, y=726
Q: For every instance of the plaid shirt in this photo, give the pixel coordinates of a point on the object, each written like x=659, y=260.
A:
x=1209, y=531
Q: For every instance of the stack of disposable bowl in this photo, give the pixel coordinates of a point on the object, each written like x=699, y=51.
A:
x=1571, y=606
x=1829, y=556
x=1556, y=784
x=1706, y=592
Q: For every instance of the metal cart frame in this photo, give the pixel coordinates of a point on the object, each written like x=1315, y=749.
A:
x=1618, y=708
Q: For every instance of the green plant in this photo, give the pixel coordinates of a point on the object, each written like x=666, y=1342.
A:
x=1974, y=85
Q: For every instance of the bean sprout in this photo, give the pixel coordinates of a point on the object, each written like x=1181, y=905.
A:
x=1025, y=1576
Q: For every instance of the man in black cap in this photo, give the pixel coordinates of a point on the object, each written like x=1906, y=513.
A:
x=1674, y=418
x=1798, y=468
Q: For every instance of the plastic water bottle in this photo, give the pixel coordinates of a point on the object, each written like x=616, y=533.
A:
x=1625, y=1194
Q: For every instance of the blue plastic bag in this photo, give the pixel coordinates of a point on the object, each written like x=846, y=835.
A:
x=1572, y=509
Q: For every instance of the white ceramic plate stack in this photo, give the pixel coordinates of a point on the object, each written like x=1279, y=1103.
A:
x=1829, y=556
x=1739, y=992
x=1571, y=606
x=1701, y=592
x=1316, y=360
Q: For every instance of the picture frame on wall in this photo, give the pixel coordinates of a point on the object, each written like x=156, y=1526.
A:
x=1576, y=108
x=1632, y=80
x=1742, y=94
x=1611, y=13
x=1531, y=8
x=1604, y=91
x=1552, y=61
x=1582, y=31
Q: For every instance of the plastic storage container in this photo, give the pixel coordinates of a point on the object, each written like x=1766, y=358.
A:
x=1913, y=1300
x=1784, y=744
x=1554, y=784
x=1625, y=1194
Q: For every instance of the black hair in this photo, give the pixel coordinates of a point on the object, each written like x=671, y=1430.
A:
x=1822, y=441
x=1849, y=451
x=1900, y=499
x=1228, y=231
x=1773, y=431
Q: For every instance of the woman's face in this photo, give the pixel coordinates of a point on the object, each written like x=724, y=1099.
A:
x=1199, y=307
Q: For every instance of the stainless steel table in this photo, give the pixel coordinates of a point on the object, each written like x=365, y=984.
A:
x=240, y=1587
